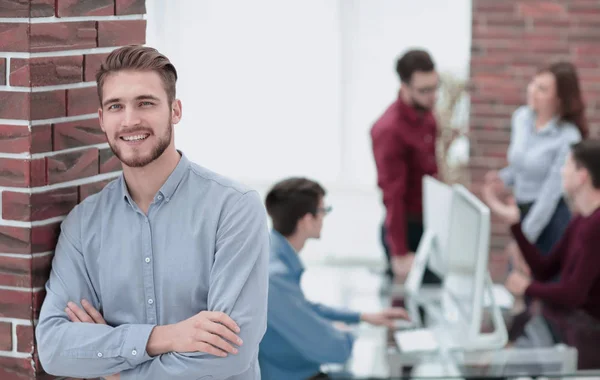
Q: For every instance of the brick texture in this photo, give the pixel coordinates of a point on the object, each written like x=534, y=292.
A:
x=108, y=161
x=510, y=40
x=62, y=36
x=19, y=139
x=129, y=7
x=48, y=105
x=2, y=71
x=13, y=37
x=73, y=8
x=16, y=369
x=46, y=71
x=75, y=134
x=6, y=336
x=42, y=8
x=14, y=8
x=71, y=166
x=25, y=272
x=81, y=101
x=43, y=145
x=25, y=338
x=38, y=206
x=92, y=64
x=14, y=105
x=117, y=33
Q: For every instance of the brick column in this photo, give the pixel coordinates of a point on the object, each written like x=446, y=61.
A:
x=52, y=151
x=511, y=39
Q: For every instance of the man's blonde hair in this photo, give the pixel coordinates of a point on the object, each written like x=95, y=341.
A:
x=138, y=58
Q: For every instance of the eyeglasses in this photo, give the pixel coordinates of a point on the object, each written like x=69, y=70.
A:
x=325, y=210
x=427, y=90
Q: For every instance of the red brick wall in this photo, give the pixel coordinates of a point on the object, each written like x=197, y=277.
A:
x=511, y=39
x=52, y=151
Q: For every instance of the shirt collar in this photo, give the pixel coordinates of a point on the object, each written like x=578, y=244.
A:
x=548, y=129
x=168, y=188
x=285, y=253
x=409, y=113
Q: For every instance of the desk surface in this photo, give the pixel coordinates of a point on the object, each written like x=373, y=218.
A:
x=376, y=356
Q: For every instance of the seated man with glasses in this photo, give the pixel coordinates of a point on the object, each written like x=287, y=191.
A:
x=301, y=335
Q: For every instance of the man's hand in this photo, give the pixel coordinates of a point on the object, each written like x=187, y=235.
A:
x=386, y=317
x=492, y=178
x=401, y=265
x=342, y=326
x=516, y=258
x=517, y=283
x=507, y=211
x=208, y=331
x=87, y=315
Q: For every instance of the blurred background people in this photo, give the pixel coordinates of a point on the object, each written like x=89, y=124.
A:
x=542, y=133
x=301, y=335
x=404, y=148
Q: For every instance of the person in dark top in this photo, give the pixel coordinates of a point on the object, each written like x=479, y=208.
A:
x=576, y=256
x=404, y=141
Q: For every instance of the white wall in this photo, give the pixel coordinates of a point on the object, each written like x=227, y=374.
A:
x=273, y=88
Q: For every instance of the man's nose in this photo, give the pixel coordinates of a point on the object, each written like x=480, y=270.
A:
x=131, y=118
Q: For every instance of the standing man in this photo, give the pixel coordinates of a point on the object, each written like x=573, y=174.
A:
x=164, y=273
x=404, y=140
x=301, y=335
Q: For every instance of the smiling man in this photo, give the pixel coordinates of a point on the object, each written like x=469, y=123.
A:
x=164, y=273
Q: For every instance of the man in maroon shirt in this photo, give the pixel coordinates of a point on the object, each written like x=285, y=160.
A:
x=576, y=256
x=404, y=140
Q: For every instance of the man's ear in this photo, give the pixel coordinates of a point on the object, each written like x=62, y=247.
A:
x=101, y=120
x=176, y=111
x=305, y=219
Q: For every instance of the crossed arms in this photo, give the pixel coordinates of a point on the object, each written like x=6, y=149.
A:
x=88, y=350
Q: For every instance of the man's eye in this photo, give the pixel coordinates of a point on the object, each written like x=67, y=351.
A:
x=114, y=106
x=146, y=104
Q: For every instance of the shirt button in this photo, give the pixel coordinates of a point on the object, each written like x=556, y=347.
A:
x=147, y=259
x=159, y=197
x=150, y=301
x=134, y=352
x=99, y=354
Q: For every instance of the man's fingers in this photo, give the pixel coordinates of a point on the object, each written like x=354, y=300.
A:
x=223, y=332
x=223, y=319
x=92, y=312
x=207, y=348
x=80, y=313
x=216, y=341
x=71, y=315
x=399, y=313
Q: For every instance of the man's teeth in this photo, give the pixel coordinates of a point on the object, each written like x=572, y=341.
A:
x=134, y=138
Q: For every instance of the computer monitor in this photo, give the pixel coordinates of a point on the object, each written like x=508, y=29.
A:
x=437, y=204
x=466, y=281
x=467, y=277
x=431, y=253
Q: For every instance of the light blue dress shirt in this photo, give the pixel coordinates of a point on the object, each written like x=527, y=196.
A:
x=300, y=334
x=204, y=245
x=535, y=159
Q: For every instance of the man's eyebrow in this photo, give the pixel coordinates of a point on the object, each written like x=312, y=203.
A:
x=140, y=97
x=147, y=97
x=112, y=100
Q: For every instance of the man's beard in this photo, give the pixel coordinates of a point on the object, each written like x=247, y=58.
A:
x=141, y=161
x=419, y=107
